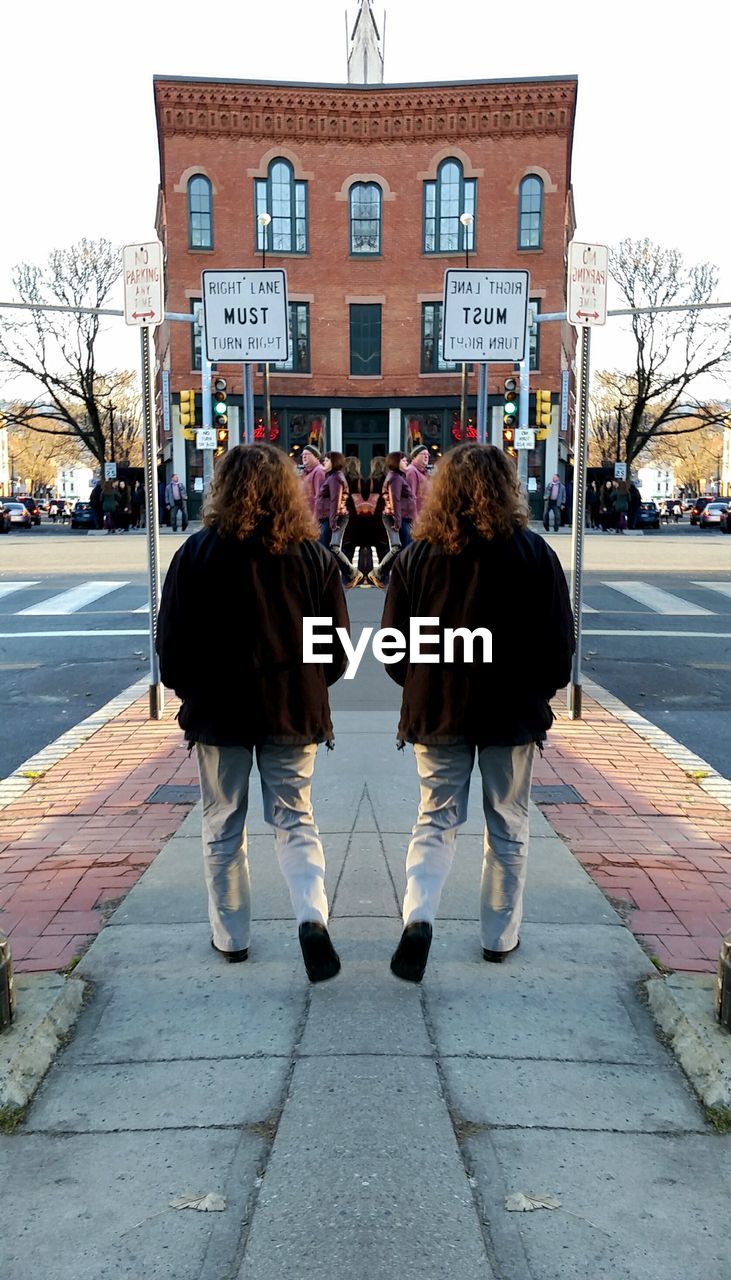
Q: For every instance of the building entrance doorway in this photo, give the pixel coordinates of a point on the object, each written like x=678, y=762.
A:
x=365, y=435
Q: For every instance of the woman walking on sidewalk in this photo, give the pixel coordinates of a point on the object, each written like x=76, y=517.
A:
x=475, y=564
x=243, y=584
x=399, y=510
x=331, y=510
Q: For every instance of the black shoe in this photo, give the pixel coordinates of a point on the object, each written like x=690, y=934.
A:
x=409, y=959
x=497, y=957
x=321, y=959
x=233, y=957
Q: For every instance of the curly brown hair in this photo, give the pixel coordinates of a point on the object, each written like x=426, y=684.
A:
x=475, y=489
x=255, y=490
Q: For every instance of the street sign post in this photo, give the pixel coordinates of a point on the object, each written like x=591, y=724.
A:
x=485, y=316
x=144, y=294
x=586, y=291
x=246, y=316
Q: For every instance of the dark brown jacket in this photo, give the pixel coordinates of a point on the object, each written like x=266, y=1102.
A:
x=230, y=640
x=515, y=587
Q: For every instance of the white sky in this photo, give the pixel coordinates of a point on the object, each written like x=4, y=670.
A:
x=651, y=148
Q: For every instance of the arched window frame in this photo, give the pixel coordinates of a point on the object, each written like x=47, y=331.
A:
x=356, y=189
x=200, y=212
x=443, y=231
x=530, y=217
x=288, y=230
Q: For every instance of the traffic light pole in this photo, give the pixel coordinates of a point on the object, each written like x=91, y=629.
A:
x=267, y=406
x=463, y=406
x=523, y=415
x=206, y=415
x=248, y=404
x=482, y=403
x=151, y=520
x=579, y=516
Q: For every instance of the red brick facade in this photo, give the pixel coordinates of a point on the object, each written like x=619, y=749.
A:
x=395, y=136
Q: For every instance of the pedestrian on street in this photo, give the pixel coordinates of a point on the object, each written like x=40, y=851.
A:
x=621, y=506
x=475, y=564
x=176, y=498
x=635, y=501
x=399, y=512
x=95, y=502
x=365, y=524
x=554, y=498
x=592, y=506
x=607, y=514
x=124, y=508
x=252, y=574
x=417, y=476
x=313, y=475
x=331, y=511
x=109, y=506
x=138, y=506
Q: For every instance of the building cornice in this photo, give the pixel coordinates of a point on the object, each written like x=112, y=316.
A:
x=242, y=109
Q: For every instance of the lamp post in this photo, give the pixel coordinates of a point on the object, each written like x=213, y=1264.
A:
x=466, y=220
x=264, y=220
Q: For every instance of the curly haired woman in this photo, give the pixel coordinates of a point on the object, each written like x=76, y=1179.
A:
x=240, y=589
x=475, y=564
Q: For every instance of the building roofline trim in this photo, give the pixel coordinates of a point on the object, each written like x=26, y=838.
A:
x=363, y=88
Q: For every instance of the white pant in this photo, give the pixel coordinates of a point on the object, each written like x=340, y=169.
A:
x=444, y=776
x=286, y=784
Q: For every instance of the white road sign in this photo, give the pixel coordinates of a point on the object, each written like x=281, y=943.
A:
x=620, y=471
x=525, y=438
x=246, y=317
x=586, y=290
x=110, y=471
x=144, y=295
x=205, y=438
x=485, y=316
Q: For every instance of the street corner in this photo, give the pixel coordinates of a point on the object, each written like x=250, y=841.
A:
x=47, y=1006
x=683, y=1005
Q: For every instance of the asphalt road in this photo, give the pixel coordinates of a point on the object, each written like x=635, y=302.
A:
x=667, y=656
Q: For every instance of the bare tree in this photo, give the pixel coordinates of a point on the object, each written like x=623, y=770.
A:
x=58, y=349
x=36, y=459
x=695, y=457
x=673, y=350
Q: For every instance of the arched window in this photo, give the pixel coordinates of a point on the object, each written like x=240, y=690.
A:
x=286, y=201
x=444, y=201
x=530, y=213
x=200, y=213
x=365, y=218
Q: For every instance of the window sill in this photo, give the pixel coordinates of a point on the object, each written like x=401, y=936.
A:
x=357, y=256
x=365, y=377
x=530, y=249
x=199, y=248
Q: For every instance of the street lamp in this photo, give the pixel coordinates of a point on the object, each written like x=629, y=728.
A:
x=264, y=220
x=466, y=219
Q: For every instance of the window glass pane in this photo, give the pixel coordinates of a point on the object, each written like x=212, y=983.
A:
x=365, y=218
x=430, y=198
x=200, y=222
x=533, y=337
x=531, y=213
x=365, y=339
x=431, y=354
x=196, y=344
x=299, y=340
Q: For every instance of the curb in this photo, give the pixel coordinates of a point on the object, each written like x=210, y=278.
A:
x=682, y=1005
x=48, y=1006
x=17, y=783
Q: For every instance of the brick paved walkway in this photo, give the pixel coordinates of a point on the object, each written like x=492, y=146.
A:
x=647, y=833
x=83, y=833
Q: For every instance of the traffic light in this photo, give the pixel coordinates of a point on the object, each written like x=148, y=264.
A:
x=510, y=413
x=187, y=409
x=220, y=415
x=543, y=414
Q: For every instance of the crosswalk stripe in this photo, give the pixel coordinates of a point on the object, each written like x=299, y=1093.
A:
x=7, y=588
x=657, y=600
x=723, y=588
x=144, y=609
x=71, y=601
x=588, y=608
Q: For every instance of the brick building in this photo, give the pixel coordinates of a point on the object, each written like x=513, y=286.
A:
x=365, y=184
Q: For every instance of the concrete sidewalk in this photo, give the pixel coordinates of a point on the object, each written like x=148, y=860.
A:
x=365, y=1127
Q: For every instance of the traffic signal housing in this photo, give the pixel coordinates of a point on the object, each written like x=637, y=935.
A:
x=543, y=414
x=187, y=409
x=510, y=413
x=220, y=415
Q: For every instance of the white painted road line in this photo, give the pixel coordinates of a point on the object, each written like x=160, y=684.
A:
x=673, y=635
x=7, y=588
x=49, y=635
x=145, y=609
x=657, y=600
x=587, y=608
x=723, y=588
x=71, y=601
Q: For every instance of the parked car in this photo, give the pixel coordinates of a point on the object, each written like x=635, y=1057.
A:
x=648, y=516
x=711, y=514
x=19, y=514
x=32, y=505
x=4, y=518
x=697, y=508
x=82, y=516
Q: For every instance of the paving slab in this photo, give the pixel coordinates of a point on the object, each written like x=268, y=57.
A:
x=365, y=887
x=373, y=1190
x=572, y=1095
x=634, y=1206
x=568, y=994
x=365, y=1010
x=96, y=1206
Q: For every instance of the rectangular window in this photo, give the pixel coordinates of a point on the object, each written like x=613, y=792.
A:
x=534, y=342
x=196, y=336
x=299, y=340
x=431, y=340
x=365, y=339
x=287, y=231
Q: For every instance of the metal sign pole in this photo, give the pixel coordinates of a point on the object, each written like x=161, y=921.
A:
x=463, y=406
x=579, y=516
x=248, y=399
x=206, y=408
x=153, y=529
x=523, y=416
x=267, y=405
x=482, y=401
